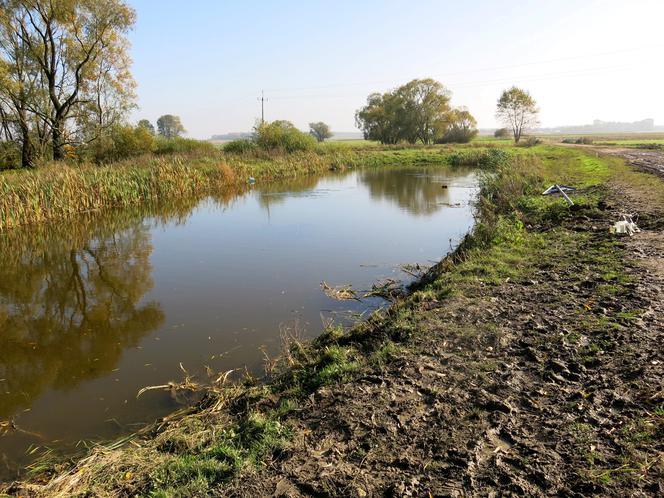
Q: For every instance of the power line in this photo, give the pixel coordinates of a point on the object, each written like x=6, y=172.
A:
x=488, y=82
x=479, y=70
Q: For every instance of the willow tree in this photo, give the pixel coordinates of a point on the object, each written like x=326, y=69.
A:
x=320, y=131
x=416, y=111
x=170, y=126
x=461, y=127
x=517, y=110
x=77, y=53
x=425, y=108
x=379, y=119
x=21, y=89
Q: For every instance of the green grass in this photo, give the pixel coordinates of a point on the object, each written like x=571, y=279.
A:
x=233, y=448
x=492, y=140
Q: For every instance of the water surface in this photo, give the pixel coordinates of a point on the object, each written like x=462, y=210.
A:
x=97, y=307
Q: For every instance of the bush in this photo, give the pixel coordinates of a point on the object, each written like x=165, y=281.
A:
x=10, y=155
x=458, y=136
x=483, y=158
x=502, y=133
x=578, y=141
x=179, y=145
x=530, y=142
x=500, y=195
x=240, y=147
x=282, y=135
x=120, y=142
x=123, y=142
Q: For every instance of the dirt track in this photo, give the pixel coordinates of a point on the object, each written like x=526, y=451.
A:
x=651, y=161
x=519, y=389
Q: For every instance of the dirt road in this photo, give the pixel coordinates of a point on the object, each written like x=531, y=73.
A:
x=647, y=160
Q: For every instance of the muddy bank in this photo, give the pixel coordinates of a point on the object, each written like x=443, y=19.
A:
x=546, y=384
x=530, y=365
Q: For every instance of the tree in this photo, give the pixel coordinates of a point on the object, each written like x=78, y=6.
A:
x=379, y=120
x=424, y=108
x=501, y=133
x=170, y=126
x=146, y=125
x=461, y=127
x=416, y=111
x=517, y=110
x=121, y=142
x=77, y=52
x=19, y=85
x=282, y=135
x=320, y=131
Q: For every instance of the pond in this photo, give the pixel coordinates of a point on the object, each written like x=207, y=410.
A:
x=94, y=308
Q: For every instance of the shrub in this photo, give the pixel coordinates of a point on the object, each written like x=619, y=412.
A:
x=578, y=141
x=500, y=195
x=502, y=133
x=483, y=158
x=282, y=135
x=179, y=145
x=240, y=147
x=456, y=135
x=120, y=142
x=529, y=142
x=10, y=155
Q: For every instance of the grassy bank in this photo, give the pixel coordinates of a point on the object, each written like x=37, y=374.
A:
x=240, y=429
x=60, y=190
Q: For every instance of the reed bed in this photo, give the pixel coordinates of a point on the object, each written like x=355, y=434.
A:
x=62, y=190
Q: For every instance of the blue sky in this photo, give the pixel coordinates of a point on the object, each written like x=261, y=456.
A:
x=207, y=61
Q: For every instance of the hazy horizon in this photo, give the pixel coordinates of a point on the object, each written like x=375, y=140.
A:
x=319, y=61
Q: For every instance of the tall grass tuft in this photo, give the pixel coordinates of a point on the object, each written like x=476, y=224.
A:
x=481, y=158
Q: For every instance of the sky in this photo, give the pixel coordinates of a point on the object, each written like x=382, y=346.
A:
x=207, y=61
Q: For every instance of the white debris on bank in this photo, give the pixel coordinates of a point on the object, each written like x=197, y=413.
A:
x=626, y=226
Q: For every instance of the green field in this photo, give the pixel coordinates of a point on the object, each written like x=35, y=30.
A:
x=626, y=139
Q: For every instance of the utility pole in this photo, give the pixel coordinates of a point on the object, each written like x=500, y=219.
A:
x=262, y=100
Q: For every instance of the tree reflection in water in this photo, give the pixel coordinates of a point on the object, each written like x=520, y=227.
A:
x=70, y=298
x=412, y=189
